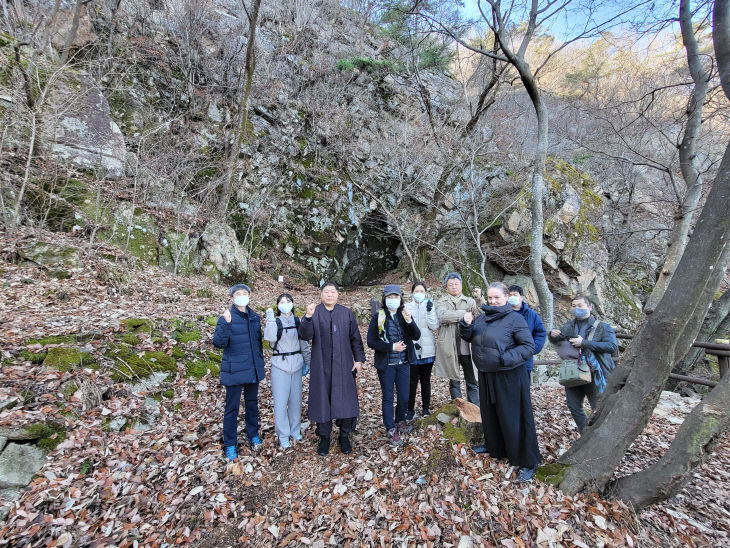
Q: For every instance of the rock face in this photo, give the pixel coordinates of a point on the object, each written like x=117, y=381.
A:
x=18, y=464
x=84, y=134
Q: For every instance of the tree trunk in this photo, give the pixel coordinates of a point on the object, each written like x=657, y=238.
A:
x=634, y=387
x=687, y=154
x=72, y=31
x=242, y=131
x=715, y=325
x=538, y=191
x=696, y=437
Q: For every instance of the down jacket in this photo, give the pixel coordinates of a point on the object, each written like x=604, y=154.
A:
x=427, y=322
x=500, y=340
x=243, y=354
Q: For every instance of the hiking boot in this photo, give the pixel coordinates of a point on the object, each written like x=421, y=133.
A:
x=231, y=453
x=425, y=412
x=324, y=445
x=410, y=414
x=480, y=449
x=525, y=474
x=256, y=442
x=394, y=437
x=345, y=445
x=404, y=427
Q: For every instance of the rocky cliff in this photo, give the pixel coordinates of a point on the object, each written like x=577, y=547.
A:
x=347, y=142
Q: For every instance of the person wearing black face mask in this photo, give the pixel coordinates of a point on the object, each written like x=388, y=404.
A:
x=596, y=342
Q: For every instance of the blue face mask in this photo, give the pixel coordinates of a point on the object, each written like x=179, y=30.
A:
x=392, y=304
x=581, y=313
x=419, y=297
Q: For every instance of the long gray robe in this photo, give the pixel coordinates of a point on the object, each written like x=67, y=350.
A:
x=336, y=345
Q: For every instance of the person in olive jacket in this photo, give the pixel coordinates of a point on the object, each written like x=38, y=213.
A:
x=391, y=334
x=501, y=342
x=238, y=333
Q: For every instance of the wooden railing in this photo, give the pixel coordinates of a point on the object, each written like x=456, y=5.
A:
x=721, y=350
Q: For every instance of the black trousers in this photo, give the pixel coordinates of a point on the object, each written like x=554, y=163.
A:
x=345, y=425
x=420, y=373
x=507, y=419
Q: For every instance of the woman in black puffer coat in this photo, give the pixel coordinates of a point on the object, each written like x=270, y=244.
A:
x=501, y=342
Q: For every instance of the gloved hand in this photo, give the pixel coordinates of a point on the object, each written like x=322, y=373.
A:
x=270, y=313
x=429, y=305
x=305, y=369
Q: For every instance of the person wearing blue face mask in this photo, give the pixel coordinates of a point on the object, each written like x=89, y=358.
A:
x=596, y=342
x=238, y=333
x=391, y=334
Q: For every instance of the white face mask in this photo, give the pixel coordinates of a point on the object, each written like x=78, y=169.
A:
x=241, y=301
x=285, y=307
x=419, y=297
x=514, y=300
x=392, y=304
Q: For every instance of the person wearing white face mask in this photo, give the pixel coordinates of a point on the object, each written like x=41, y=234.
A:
x=289, y=363
x=238, y=333
x=424, y=314
x=391, y=334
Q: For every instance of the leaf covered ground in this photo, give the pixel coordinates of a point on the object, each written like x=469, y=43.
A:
x=170, y=484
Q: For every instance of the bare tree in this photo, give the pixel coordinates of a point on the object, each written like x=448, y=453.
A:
x=242, y=131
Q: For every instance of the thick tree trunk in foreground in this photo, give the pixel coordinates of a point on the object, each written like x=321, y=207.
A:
x=696, y=437
x=636, y=384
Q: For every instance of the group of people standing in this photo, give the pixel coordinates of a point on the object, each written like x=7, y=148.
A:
x=497, y=336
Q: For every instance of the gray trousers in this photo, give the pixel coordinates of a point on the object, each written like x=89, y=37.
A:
x=472, y=387
x=287, y=391
x=575, y=397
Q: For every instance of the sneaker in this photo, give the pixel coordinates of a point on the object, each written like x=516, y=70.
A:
x=394, y=437
x=404, y=427
x=284, y=444
x=256, y=442
x=525, y=474
x=345, y=445
x=425, y=412
x=231, y=453
x=479, y=449
x=324, y=445
x=410, y=414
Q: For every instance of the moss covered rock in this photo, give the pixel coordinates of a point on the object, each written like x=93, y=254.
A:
x=186, y=336
x=66, y=359
x=48, y=254
x=552, y=473
x=129, y=365
x=198, y=368
x=138, y=325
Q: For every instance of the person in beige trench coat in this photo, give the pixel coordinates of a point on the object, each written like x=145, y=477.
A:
x=453, y=354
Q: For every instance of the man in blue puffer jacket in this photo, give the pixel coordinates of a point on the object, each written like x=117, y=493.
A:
x=534, y=322
x=238, y=333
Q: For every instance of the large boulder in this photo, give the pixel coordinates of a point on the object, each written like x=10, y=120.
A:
x=84, y=134
x=223, y=255
x=18, y=464
x=614, y=300
x=48, y=254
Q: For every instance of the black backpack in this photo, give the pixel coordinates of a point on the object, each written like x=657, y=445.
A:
x=280, y=331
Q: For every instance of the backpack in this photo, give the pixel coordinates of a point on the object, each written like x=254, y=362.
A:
x=280, y=331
